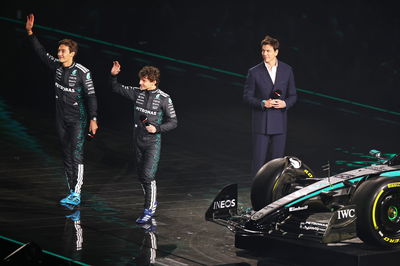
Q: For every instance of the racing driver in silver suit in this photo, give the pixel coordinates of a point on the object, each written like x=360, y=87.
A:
x=73, y=84
x=154, y=114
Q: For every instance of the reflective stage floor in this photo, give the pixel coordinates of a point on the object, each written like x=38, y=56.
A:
x=196, y=162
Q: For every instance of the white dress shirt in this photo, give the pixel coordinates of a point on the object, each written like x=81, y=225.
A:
x=272, y=71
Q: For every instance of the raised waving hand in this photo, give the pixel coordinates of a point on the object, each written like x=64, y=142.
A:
x=116, y=68
x=30, y=19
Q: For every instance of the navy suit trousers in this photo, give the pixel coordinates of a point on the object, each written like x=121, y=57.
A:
x=266, y=148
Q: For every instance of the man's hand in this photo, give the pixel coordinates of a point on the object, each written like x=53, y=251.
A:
x=30, y=19
x=116, y=68
x=268, y=103
x=278, y=104
x=93, y=126
x=151, y=129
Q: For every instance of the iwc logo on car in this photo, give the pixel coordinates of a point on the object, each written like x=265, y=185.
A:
x=346, y=213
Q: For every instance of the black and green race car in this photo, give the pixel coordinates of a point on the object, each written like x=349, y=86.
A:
x=289, y=201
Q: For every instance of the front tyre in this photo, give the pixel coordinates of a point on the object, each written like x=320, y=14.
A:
x=263, y=183
x=276, y=179
x=378, y=211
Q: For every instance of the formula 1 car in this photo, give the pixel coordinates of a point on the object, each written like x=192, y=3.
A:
x=289, y=201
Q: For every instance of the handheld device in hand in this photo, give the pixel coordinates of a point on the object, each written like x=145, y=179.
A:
x=90, y=136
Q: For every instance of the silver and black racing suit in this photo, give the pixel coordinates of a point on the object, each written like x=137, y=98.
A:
x=157, y=106
x=73, y=85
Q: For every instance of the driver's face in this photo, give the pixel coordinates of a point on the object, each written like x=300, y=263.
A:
x=146, y=84
x=64, y=55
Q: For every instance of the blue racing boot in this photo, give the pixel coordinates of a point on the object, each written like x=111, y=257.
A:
x=64, y=200
x=73, y=198
x=147, y=214
x=146, y=217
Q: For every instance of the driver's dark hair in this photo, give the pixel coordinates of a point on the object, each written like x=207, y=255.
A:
x=268, y=40
x=72, y=45
x=150, y=72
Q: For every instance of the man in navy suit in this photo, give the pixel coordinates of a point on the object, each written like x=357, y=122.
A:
x=270, y=91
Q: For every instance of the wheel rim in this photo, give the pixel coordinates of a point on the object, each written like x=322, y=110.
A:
x=389, y=214
x=392, y=213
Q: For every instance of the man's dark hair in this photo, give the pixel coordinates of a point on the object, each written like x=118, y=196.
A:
x=150, y=72
x=72, y=45
x=268, y=40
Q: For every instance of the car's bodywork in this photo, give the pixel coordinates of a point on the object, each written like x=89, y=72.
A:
x=289, y=201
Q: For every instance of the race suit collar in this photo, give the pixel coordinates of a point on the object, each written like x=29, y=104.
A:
x=71, y=66
x=152, y=91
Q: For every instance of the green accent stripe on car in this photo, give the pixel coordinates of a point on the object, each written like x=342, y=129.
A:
x=336, y=186
x=316, y=193
x=391, y=174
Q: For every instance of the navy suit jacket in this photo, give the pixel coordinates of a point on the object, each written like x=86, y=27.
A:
x=258, y=87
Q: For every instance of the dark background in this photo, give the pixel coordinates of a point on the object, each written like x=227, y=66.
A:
x=341, y=48
x=345, y=49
